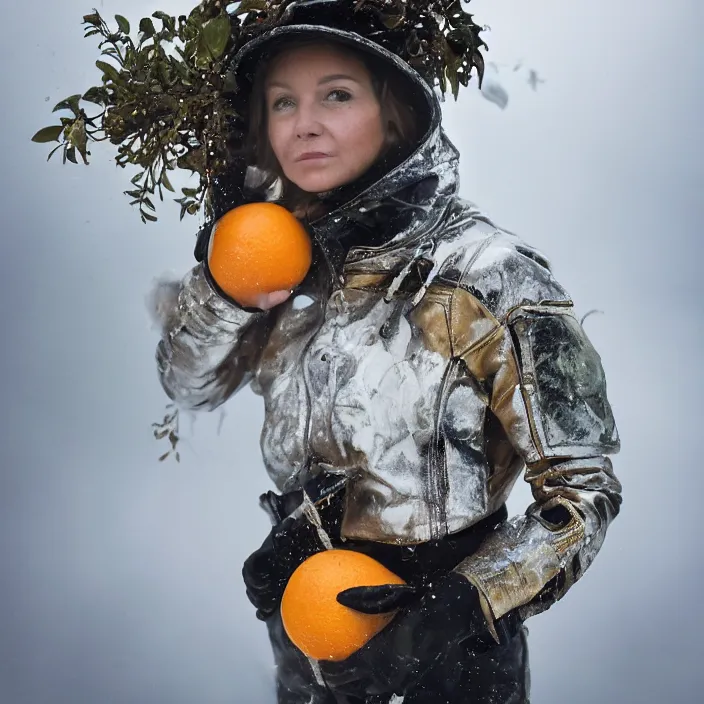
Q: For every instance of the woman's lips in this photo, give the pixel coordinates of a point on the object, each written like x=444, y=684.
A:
x=309, y=156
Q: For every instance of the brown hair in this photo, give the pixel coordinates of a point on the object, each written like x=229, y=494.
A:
x=399, y=119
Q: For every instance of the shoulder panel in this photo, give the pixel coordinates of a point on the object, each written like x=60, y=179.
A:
x=564, y=383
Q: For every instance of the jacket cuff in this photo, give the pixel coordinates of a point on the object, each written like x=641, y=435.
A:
x=507, y=584
x=509, y=574
x=202, y=288
x=226, y=300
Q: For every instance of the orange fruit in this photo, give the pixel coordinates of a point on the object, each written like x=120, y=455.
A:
x=258, y=248
x=315, y=622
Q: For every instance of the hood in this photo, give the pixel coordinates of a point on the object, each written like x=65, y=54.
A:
x=397, y=198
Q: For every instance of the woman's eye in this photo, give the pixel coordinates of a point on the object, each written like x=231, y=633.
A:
x=281, y=103
x=339, y=96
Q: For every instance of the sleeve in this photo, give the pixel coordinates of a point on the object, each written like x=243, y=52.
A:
x=546, y=387
x=209, y=346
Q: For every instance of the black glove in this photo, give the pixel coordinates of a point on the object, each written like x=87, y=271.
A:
x=447, y=612
x=267, y=570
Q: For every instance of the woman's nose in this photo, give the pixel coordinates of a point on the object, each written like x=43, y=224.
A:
x=307, y=123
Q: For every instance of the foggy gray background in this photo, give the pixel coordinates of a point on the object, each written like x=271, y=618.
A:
x=120, y=576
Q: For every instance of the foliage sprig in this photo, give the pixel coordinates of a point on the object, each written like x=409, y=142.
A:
x=169, y=429
x=161, y=98
x=165, y=100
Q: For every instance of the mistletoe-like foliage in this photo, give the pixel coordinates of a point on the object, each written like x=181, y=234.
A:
x=162, y=101
x=167, y=101
x=168, y=428
x=438, y=38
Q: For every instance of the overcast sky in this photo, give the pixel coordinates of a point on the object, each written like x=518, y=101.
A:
x=120, y=579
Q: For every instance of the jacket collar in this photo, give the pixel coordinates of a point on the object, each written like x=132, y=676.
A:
x=394, y=210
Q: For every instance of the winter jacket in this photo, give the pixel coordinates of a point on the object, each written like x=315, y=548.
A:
x=432, y=369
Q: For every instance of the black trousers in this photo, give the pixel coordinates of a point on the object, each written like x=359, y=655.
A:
x=499, y=675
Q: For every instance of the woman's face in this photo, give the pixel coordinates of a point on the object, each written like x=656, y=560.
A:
x=323, y=117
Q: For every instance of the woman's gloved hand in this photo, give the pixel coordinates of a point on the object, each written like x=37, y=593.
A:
x=267, y=570
x=447, y=612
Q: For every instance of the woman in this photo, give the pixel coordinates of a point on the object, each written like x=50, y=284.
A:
x=438, y=359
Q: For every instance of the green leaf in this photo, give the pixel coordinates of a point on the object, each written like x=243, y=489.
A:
x=146, y=27
x=93, y=19
x=166, y=183
x=70, y=154
x=454, y=81
x=109, y=70
x=216, y=33
x=76, y=136
x=452, y=63
x=123, y=24
x=70, y=103
x=48, y=134
x=392, y=21
x=458, y=40
x=189, y=49
x=168, y=21
x=455, y=10
x=53, y=151
x=137, y=177
x=250, y=5
x=147, y=216
x=97, y=95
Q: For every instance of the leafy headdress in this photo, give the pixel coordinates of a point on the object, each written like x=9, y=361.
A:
x=168, y=99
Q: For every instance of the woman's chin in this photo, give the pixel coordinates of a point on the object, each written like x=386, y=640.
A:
x=319, y=183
